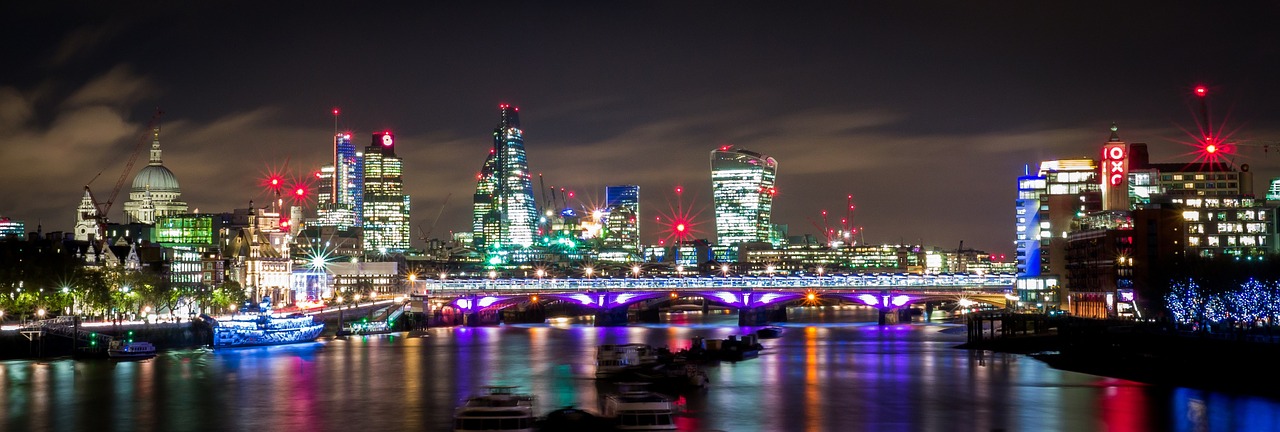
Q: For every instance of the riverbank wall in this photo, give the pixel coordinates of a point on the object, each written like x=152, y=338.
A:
x=1230, y=359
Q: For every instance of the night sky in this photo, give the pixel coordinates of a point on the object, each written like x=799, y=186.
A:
x=925, y=112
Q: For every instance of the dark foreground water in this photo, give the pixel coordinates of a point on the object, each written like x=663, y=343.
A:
x=817, y=377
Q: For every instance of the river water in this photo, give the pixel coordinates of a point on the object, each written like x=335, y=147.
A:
x=831, y=373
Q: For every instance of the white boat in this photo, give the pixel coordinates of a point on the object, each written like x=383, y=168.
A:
x=499, y=408
x=640, y=410
x=131, y=350
x=612, y=359
x=263, y=330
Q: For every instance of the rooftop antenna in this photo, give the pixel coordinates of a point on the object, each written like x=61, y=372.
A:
x=335, y=120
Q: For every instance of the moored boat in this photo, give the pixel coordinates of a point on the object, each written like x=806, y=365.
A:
x=636, y=409
x=612, y=359
x=263, y=330
x=498, y=408
x=131, y=350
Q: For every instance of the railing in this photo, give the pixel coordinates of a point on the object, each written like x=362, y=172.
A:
x=64, y=326
x=900, y=281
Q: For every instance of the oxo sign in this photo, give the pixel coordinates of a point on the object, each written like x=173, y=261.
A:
x=1113, y=164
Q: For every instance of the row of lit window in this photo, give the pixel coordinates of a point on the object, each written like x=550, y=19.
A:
x=1180, y=177
x=1219, y=241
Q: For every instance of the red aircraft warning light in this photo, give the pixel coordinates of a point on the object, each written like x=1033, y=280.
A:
x=1201, y=91
x=1211, y=149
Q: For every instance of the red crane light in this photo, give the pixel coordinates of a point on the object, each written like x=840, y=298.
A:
x=300, y=192
x=680, y=227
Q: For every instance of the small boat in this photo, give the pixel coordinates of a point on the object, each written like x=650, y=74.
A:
x=361, y=329
x=637, y=409
x=612, y=359
x=499, y=408
x=735, y=349
x=769, y=332
x=122, y=350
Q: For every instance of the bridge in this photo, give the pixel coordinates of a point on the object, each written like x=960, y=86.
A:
x=758, y=299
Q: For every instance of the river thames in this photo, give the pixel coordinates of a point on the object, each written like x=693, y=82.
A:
x=830, y=373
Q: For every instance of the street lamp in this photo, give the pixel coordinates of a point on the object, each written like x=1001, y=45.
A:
x=589, y=270
x=40, y=313
x=635, y=270
x=724, y=268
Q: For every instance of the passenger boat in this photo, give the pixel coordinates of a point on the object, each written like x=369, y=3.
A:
x=636, y=409
x=263, y=330
x=498, y=408
x=612, y=359
x=122, y=350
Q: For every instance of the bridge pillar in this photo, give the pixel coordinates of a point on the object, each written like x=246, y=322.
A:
x=763, y=315
x=928, y=311
x=611, y=317
x=483, y=318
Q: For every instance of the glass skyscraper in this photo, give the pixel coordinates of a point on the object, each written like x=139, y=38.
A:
x=385, y=205
x=623, y=222
x=742, y=185
x=341, y=196
x=505, y=213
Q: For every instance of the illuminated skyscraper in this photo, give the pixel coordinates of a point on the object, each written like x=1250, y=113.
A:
x=485, y=223
x=623, y=223
x=341, y=196
x=385, y=206
x=504, y=211
x=742, y=185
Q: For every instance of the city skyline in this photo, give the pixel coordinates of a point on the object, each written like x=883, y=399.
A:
x=977, y=95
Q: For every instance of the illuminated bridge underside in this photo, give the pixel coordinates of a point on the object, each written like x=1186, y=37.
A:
x=886, y=291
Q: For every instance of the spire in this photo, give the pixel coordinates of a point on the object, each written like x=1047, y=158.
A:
x=1115, y=137
x=155, y=145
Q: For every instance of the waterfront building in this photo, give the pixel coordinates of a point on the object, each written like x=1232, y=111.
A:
x=155, y=192
x=1242, y=228
x=12, y=228
x=385, y=206
x=1100, y=256
x=1184, y=179
x=1273, y=192
x=742, y=184
x=809, y=257
x=258, y=255
x=189, y=240
x=1045, y=207
x=504, y=211
x=364, y=278
x=622, y=222
x=340, y=201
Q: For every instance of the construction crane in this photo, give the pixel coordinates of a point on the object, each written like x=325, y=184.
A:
x=152, y=132
x=426, y=235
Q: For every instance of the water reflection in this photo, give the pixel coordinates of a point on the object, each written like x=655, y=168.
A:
x=826, y=376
